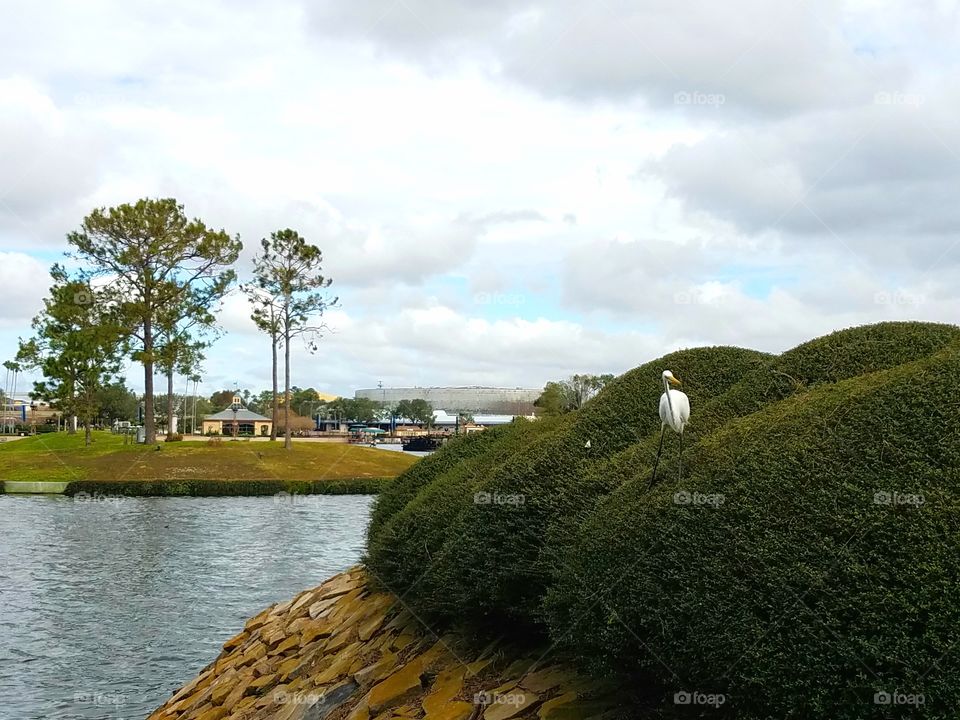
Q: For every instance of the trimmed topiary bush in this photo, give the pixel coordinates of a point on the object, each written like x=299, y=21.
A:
x=433, y=466
x=831, y=358
x=404, y=544
x=809, y=561
x=838, y=356
x=782, y=576
x=487, y=563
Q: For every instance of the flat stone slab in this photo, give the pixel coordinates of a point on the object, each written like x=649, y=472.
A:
x=34, y=487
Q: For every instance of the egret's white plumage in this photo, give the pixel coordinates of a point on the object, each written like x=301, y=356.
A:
x=675, y=410
x=675, y=413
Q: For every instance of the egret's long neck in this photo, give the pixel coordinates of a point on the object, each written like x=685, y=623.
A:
x=666, y=390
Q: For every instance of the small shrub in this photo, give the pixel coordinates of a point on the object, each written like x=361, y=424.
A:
x=215, y=439
x=176, y=437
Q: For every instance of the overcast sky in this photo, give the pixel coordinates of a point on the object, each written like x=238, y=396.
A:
x=505, y=192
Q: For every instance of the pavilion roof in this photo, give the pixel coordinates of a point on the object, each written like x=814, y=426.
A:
x=242, y=415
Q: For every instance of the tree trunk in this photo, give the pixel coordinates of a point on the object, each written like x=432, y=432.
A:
x=287, y=442
x=13, y=422
x=273, y=428
x=87, y=416
x=170, y=428
x=149, y=426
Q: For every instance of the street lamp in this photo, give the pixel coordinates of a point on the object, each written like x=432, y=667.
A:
x=235, y=406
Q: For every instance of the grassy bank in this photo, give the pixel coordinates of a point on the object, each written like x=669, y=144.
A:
x=194, y=468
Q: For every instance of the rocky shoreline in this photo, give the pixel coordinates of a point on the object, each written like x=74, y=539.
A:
x=345, y=651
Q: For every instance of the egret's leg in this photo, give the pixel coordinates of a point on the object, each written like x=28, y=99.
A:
x=681, y=456
x=653, y=478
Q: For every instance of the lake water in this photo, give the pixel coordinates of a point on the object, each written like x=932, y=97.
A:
x=109, y=605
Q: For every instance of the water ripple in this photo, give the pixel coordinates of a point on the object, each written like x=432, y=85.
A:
x=109, y=606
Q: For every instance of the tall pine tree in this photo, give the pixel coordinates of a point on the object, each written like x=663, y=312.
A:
x=155, y=257
x=287, y=271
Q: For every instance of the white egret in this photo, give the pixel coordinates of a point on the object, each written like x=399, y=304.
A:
x=675, y=412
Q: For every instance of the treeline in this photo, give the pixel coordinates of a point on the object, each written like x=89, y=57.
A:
x=143, y=283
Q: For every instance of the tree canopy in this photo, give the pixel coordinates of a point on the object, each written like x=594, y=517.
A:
x=117, y=402
x=571, y=394
x=352, y=409
x=418, y=410
x=161, y=265
x=75, y=346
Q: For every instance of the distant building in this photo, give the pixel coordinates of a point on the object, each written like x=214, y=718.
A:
x=443, y=422
x=472, y=399
x=443, y=419
x=237, y=422
x=25, y=410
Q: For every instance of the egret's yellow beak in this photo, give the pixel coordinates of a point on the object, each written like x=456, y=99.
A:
x=674, y=381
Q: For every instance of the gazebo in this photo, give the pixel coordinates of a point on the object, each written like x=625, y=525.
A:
x=237, y=420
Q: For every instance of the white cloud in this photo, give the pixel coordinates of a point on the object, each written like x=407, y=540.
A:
x=23, y=284
x=421, y=346
x=511, y=191
x=762, y=57
x=48, y=164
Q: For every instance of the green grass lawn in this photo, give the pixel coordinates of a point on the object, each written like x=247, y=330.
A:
x=59, y=457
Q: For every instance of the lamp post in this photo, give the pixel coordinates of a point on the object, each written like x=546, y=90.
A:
x=196, y=381
x=235, y=406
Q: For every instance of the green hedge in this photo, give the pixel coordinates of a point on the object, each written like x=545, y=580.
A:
x=433, y=466
x=626, y=579
x=788, y=572
x=838, y=356
x=228, y=488
x=404, y=544
x=484, y=559
x=831, y=358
